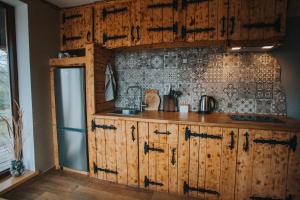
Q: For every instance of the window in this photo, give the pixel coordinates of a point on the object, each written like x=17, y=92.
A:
x=8, y=80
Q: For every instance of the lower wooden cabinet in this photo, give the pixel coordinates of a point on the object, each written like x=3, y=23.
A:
x=262, y=164
x=116, y=151
x=199, y=161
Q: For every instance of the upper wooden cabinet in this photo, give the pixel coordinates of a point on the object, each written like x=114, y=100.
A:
x=114, y=24
x=76, y=27
x=204, y=20
x=256, y=20
x=145, y=22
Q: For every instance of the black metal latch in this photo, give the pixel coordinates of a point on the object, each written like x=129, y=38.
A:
x=106, y=12
x=65, y=39
x=94, y=126
x=291, y=143
x=184, y=31
x=173, y=28
x=157, y=132
x=187, y=188
x=276, y=25
x=189, y=134
x=96, y=168
x=148, y=182
x=186, y=2
x=147, y=148
x=105, y=37
x=173, y=5
x=65, y=18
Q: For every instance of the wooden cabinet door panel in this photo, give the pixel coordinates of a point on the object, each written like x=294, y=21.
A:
x=203, y=158
x=113, y=24
x=76, y=27
x=262, y=167
x=158, y=21
x=256, y=20
x=293, y=178
x=204, y=20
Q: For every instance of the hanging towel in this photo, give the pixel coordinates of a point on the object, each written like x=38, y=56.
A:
x=110, y=83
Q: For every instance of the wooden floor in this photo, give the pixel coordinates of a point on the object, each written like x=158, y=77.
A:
x=58, y=185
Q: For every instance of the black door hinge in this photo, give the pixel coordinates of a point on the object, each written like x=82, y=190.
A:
x=173, y=5
x=186, y=2
x=184, y=30
x=106, y=12
x=106, y=38
x=65, y=39
x=173, y=28
x=65, y=18
x=189, y=134
x=187, y=188
x=96, y=168
x=148, y=182
x=264, y=198
x=261, y=25
x=94, y=126
x=291, y=143
x=147, y=148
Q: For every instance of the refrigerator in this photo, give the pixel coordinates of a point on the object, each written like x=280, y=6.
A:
x=69, y=86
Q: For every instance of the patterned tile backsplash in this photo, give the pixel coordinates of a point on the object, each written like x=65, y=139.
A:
x=241, y=82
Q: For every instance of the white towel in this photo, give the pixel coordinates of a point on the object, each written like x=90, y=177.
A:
x=110, y=83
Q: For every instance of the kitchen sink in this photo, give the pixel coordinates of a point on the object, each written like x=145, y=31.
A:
x=124, y=112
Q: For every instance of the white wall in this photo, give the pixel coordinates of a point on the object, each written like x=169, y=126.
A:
x=37, y=27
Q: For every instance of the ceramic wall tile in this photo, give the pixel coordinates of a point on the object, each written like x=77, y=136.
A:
x=240, y=82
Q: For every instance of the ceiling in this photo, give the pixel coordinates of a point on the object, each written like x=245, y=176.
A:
x=70, y=3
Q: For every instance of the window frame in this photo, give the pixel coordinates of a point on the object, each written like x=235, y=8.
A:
x=12, y=60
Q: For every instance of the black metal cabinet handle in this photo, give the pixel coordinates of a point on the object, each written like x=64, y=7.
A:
x=231, y=146
x=223, y=26
x=157, y=132
x=173, y=160
x=276, y=25
x=138, y=32
x=232, y=19
x=132, y=133
x=89, y=36
x=246, y=144
x=132, y=33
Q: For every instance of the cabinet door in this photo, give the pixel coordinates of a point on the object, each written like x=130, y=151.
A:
x=158, y=21
x=262, y=164
x=204, y=20
x=76, y=27
x=113, y=24
x=251, y=20
x=207, y=161
x=293, y=182
x=117, y=151
x=158, y=156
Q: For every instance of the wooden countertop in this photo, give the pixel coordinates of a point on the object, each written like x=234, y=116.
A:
x=213, y=119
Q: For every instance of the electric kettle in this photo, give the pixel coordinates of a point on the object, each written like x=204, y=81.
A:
x=207, y=104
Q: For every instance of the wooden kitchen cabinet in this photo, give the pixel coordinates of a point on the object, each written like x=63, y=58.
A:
x=76, y=27
x=116, y=151
x=158, y=156
x=207, y=161
x=256, y=20
x=262, y=165
x=159, y=21
x=204, y=20
x=114, y=23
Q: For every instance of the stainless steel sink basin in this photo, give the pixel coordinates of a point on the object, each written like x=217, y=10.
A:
x=124, y=112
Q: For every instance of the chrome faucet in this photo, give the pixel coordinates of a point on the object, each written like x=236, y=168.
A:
x=142, y=105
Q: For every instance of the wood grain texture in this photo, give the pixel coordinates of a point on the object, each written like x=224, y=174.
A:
x=162, y=167
x=121, y=155
x=143, y=158
x=202, y=162
x=101, y=149
x=146, y=22
x=157, y=21
x=132, y=152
